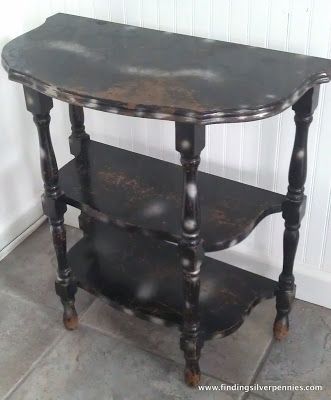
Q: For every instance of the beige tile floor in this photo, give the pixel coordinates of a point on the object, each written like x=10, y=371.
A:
x=115, y=356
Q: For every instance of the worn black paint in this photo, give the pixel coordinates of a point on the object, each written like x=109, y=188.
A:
x=147, y=73
x=40, y=105
x=79, y=141
x=140, y=192
x=190, y=141
x=145, y=279
x=78, y=137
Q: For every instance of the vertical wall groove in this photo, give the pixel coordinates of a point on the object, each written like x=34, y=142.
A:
x=125, y=19
x=109, y=10
x=328, y=216
x=325, y=230
x=314, y=167
x=266, y=44
x=192, y=17
x=311, y=9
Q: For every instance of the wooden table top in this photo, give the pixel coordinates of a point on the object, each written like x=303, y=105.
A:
x=147, y=73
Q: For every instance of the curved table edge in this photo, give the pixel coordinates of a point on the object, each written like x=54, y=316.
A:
x=180, y=115
x=209, y=246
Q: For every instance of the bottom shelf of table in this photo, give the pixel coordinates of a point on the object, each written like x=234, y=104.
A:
x=141, y=276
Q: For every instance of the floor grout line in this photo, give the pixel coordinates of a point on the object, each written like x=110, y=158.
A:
x=259, y=368
x=19, y=297
x=34, y=365
x=132, y=343
x=48, y=349
x=8, y=291
x=82, y=314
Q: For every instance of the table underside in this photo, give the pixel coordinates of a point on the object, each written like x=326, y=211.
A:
x=147, y=73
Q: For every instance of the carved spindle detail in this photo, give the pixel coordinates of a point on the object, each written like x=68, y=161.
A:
x=54, y=208
x=190, y=141
x=78, y=142
x=294, y=209
x=78, y=137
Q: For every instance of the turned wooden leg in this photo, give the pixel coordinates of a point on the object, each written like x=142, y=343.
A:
x=78, y=138
x=294, y=209
x=65, y=287
x=191, y=340
x=54, y=208
x=79, y=141
x=190, y=141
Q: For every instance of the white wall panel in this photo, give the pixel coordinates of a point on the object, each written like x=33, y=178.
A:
x=257, y=153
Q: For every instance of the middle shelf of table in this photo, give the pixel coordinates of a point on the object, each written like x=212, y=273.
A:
x=141, y=193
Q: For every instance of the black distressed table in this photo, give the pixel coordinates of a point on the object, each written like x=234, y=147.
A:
x=147, y=223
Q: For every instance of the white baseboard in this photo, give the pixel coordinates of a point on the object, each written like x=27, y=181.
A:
x=16, y=239
x=312, y=285
x=26, y=224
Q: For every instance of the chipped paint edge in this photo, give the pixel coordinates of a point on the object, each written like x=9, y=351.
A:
x=209, y=247
x=181, y=115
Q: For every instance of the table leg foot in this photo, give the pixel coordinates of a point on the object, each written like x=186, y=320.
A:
x=281, y=328
x=70, y=317
x=66, y=290
x=192, y=374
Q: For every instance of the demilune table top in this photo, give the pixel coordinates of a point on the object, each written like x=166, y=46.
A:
x=147, y=73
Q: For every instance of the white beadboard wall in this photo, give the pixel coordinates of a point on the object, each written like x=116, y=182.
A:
x=257, y=153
